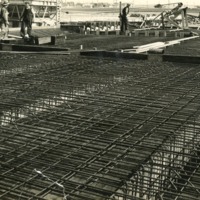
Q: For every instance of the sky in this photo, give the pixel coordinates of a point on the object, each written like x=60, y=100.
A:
x=144, y=2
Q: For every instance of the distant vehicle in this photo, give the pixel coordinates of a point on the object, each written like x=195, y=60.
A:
x=158, y=6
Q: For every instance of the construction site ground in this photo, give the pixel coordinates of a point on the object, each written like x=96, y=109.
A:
x=114, y=42
x=89, y=124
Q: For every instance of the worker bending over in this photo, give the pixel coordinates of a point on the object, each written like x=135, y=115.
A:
x=175, y=12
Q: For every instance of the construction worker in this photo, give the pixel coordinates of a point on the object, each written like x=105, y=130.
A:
x=124, y=19
x=27, y=20
x=4, y=20
x=174, y=10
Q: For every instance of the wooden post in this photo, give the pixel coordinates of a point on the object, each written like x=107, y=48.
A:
x=117, y=32
x=182, y=34
x=98, y=32
x=106, y=31
x=146, y=33
x=163, y=23
x=183, y=19
x=157, y=33
x=186, y=19
x=120, y=18
x=136, y=33
x=58, y=12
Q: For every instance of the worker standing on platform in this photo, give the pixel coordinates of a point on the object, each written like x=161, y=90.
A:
x=124, y=19
x=4, y=20
x=27, y=20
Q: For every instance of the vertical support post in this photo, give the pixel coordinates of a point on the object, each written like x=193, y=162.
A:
x=97, y=32
x=183, y=19
x=136, y=33
x=146, y=33
x=163, y=23
x=186, y=19
x=157, y=33
x=120, y=18
x=13, y=11
x=45, y=11
x=18, y=14
x=58, y=11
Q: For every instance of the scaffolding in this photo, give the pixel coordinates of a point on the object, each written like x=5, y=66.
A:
x=46, y=12
x=77, y=128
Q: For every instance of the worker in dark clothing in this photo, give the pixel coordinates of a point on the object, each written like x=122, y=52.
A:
x=174, y=10
x=124, y=19
x=4, y=20
x=27, y=20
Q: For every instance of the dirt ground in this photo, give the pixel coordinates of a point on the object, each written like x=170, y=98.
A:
x=107, y=42
x=111, y=42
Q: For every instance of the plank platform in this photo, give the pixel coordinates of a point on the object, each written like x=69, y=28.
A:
x=115, y=54
x=18, y=47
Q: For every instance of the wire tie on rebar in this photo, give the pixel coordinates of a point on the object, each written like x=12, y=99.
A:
x=54, y=182
x=58, y=184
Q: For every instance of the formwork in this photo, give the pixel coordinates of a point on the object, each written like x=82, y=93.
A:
x=86, y=128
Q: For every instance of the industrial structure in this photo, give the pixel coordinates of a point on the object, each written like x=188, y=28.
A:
x=47, y=12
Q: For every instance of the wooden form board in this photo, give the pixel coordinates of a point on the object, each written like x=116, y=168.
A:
x=157, y=45
x=142, y=56
x=18, y=47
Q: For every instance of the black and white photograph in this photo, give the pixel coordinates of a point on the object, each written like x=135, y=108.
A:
x=99, y=100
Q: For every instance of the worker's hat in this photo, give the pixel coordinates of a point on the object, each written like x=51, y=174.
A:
x=5, y=3
x=128, y=4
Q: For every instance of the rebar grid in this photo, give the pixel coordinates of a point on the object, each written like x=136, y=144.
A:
x=77, y=128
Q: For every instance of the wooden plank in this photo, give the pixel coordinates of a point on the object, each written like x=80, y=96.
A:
x=187, y=38
x=36, y=52
x=154, y=46
x=115, y=54
x=158, y=45
x=181, y=59
x=18, y=47
x=147, y=45
x=42, y=40
x=58, y=39
x=175, y=30
x=14, y=36
x=12, y=41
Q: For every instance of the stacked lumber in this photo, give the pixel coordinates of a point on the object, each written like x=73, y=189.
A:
x=157, y=45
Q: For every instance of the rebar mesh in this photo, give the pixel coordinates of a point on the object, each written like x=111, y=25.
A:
x=86, y=128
